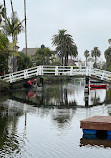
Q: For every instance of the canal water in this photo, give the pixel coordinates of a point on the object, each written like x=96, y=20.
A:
x=45, y=123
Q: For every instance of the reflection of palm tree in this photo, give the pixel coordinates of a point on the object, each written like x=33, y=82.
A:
x=62, y=117
x=95, y=99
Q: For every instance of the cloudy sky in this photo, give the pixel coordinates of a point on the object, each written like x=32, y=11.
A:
x=88, y=21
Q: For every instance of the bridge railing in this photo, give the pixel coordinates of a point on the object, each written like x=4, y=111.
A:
x=56, y=70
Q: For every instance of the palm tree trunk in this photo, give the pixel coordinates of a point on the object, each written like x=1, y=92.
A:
x=12, y=7
x=13, y=39
x=25, y=25
x=5, y=17
x=86, y=61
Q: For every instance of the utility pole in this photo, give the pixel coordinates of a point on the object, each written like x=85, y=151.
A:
x=25, y=25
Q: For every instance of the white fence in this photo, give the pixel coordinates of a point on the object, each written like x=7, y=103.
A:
x=56, y=70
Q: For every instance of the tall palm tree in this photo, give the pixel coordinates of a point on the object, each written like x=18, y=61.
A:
x=65, y=45
x=95, y=53
x=14, y=27
x=86, y=54
x=25, y=25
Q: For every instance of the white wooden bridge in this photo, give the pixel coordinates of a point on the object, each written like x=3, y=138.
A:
x=56, y=71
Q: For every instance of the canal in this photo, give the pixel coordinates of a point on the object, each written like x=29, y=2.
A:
x=45, y=123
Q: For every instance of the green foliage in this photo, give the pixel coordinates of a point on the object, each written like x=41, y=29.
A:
x=65, y=45
x=23, y=61
x=43, y=57
x=107, y=55
x=109, y=68
x=86, y=54
x=4, y=53
x=14, y=25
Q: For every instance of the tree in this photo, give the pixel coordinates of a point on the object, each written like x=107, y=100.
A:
x=95, y=53
x=65, y=45
x=107, y=55
x=14, y=27
x=23, y=61
x=86, y=54
x=4, y=54
x=43, y=57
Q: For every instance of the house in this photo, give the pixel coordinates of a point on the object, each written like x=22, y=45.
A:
x=30, y=51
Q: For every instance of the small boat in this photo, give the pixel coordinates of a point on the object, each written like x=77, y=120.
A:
x=31, y=83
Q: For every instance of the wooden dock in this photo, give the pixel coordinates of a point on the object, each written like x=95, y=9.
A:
x=93, y=124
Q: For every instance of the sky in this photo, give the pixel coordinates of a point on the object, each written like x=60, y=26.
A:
x=88, y=21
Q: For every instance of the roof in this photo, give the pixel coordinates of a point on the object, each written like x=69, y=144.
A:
x=30, y=51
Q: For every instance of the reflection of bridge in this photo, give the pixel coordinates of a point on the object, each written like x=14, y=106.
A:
x=56, y=71
x=62, y=105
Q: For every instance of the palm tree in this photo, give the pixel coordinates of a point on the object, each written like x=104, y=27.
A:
x=86, y=54
x=107, y=55
x=95, y=53
x=14, y=27
x=65, y=45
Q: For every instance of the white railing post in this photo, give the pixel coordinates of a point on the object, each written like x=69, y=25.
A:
x=42, y=70
x=71, y=70
x=11, y=78
x=25, y=74
x=37, y=72
x=102, y=77
x=56, y=70
x=87, y=71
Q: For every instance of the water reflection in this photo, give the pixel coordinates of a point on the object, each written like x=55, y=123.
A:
x=66, y=96
x=9, y=140
x=89, y=140
x=62, y=117
x=31, y=121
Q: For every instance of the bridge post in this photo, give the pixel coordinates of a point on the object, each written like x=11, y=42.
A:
x=56, y=70
x=11, y=78
x=71, y=70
